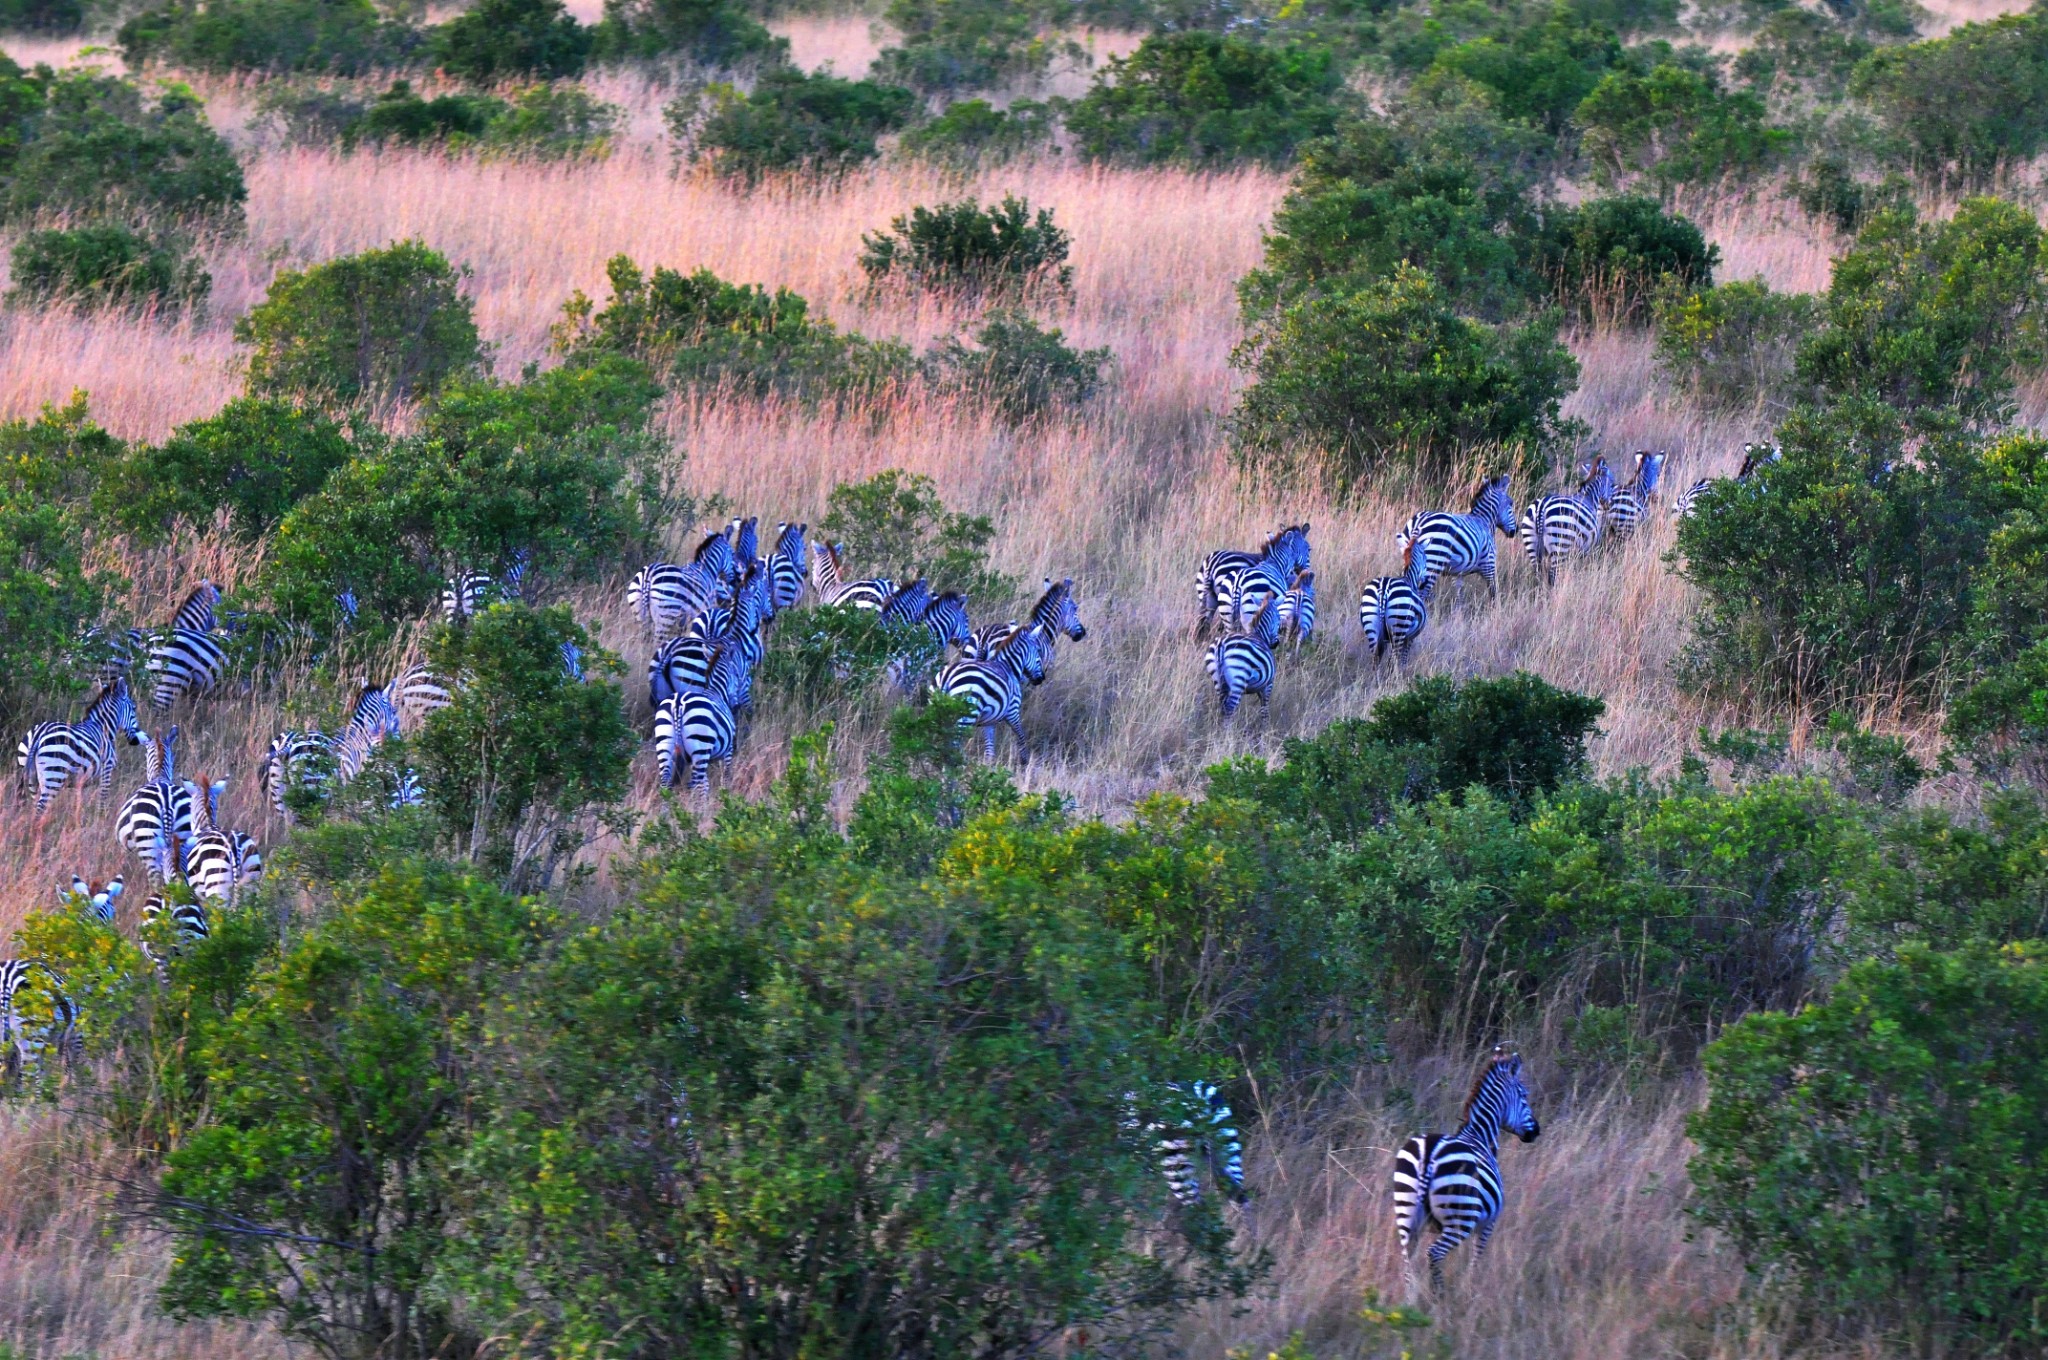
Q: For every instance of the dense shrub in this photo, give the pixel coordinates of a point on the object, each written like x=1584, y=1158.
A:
x=508, y=39
x=384, y=325
x=967, y=248
x=711, y=31
x=1827, y=190
x=255, y=459
x=341, y=37
x=1934, y=315
x=309, y=114
x=401, y=116
x=790, y=121
x=2002, y=720
x=1204, y=98
x=95, y=147
x=1347, y=382
x=973, y=131
x=895, y=524
x=43, y=16
x=1733, y=344
x=1537, y=74
x=1609, y=255
x=952, y=45
x=543, y=121
x=1675, y=126
x=1966, y=104
x=552, y=121
x=107, y=265
x=1880, y=1154
x=1799, y=48
x=1019, y=369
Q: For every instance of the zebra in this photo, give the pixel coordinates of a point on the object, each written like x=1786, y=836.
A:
x=1056, y=612
x=196, y=612
x=827, y=573
x=371, y=722
x=405, y=789
x=788, y=567
x=944, y=617
x=665, y=596
x=468, y=593
x=1203, y=1137
x=217, y=862
x=681, y=663
x=1463, y=545
x=186, y=913
x=696, y=727
x=1229, y=583
x=1241, y=663
x=1454, y=1181
x=1631, y=503
x=160, y=812
x=52, y=752
x=414, y=694
x=1568, y=526
x=101, y=901
x=572, y=660
x=1394, y=610
x=1298, y=610
x=295, y=759
x=746, y=544
x=184, y=661
x=715, y=554
x=24, y=1050
x=1754, y=456
x=993, y=686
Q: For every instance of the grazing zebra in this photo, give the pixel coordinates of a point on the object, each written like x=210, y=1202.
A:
x=715, y=555
x=665, y=596
x=827, y=578
x=1199, y=1137
x=1632, y=501
x=24, y=1048
x=788, y=567
x=1462, y=545
x=1242, y=663
x=295, y=759
x=993, y=686
x=1231, y=584
x=1454, y=1181
x=1568, y=526
x=52, y=752
x=217, y=862
x=195, y=613
x=184, y=661
x=101, y=900
x=1298, y=610
x=1394, y=610
x=416, y=693
x=159, y=814
x=697, y=727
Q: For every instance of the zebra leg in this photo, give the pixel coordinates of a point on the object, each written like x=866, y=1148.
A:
x=1445, y=1244
x=1017, y=731
x=700, y=773
x=1231, y=699
x=988, y=743
x=1479, y=1242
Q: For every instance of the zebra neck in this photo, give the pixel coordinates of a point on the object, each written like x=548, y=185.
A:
x=1481, y=1129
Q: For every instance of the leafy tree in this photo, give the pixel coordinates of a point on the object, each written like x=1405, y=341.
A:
x=1388, y=370
x=1020, y=370
x=504, y=39
x=1799, y=48
x=2002, y=719
x=1537, y=74
x=1675, y=126
x=1609, y=255
x=951, y=45
x=972, y=131
x=967, y=248
x=714, y=31
x=1733, y=344
x=896, y=524
x=553, y=121
x=791, y=122
x=42, y=16
x=1880, y=1153
x=338, y=37
x=105, y=265
x=1964, y=105
x=384, y=325
x=256, y=459
x=1204, y=98
x=922, y=789
x=96, y=147
x=399, y=115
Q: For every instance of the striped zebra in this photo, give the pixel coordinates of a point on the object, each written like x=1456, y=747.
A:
x=160, y=812
x=1394, y=610
x=1463, y=545
x=1242, y=663
x=217, y=862
x=1633, y=499
x=1568, y=526
x=746, y=544
x=1298, y=610
x=681, y=663
x=715, y=555
x=665, y=597
x=696, y=727
x=1754, y=456
x=371, y=722
x=173, y=901
x=1454, y=1181
x=828, y=579
x=295, y=759
x=943, y=616
x=993, y=686
x=196, y=611
x=23, y=1041
x=1232, y=585
x=789, y=566
x=185, y=661
x=101, y=901
x=1198, y=1140
x=415, y=693
x=1056, y=613
x=53, y=752
x=468, y=593
x=572, y=660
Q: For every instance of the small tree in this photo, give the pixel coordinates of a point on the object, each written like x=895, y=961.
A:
x=338, y=37
x=502, y=39
x=895, y=523
x=92, y=146
x=1675, y=126
x=385, y=325
x=1733, y=344
x=1207, y=98
x=257, y=458
x=954, y=45
x=1609, y=256
x=1022, y=371
x=971, y=249
x=1966, y=104
x=790, y=122
x=106, y=265
x=709, y=31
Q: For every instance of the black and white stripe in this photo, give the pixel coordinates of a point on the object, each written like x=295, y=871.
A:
x=665, y=596
x=1232, y=585
x=159, y=814
x=371, y=722
x=828, y=579
x=746, y=544
x=1198, y=1141
x=185, y=661
x=1556, y=527
x=23, y=1044
x=1754, y=456
x=1393, y=611
x=1298, y=610
x=217, y=861
x=415, y=693
x=789, y=567
x=715, y=555
x=1241, y=663
x=295, y=759
x=196, y=612
x=1463, y=545
x=1453, y=1182
x=993, y=686
x=697, y=726
x=101, y=901
x=1630, y=507
x=53, y=752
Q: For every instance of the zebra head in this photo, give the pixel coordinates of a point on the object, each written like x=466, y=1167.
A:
x=1024, y=652
x=1289, y=549
x=1598, y=488
x=115, y=705
x=1495, y=503
x=789, y=541
x=1649, y=472
x=1057, y=610
x=1500, y=1098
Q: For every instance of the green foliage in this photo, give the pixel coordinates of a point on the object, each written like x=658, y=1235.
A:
x=922, y=789
x=309, y=114
x=1880, y=1154
x=543, y=121
x=89, y=146
x=42, y=16
x=1733, y=345
x=381, y=326
x=1022, y=371
x=973, y=132
x=1345, y=383
x=705, y=331
x=518, y=764
x=1205, y=98
x=339, y=37
x=255, y=459
x=791, y=122
x=552, y=122
x=1608, y=256
x=1537, y=74
x=711, y=31
x=1950, y=880
x=966, y=248
x=1798, y=48
x=512, y=39
x=895, y=524
x=1964, y=105
x=1827, y=190
x=832, y=655
x=1934, y=315
x=399, y=115
x=107, y=265
x=952, y=45
x=1675, y=126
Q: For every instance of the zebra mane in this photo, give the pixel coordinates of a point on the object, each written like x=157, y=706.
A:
x=1502, y=1057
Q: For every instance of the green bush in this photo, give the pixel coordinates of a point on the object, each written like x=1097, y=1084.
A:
x=791, y=122
x=1609, y=256
x=542, y=121
x=953, y=45
x=703, y=330
x=1348, y=383
x=894, y=524
x=1020, y=370
x=340, y=37
x=1205, y=98
x=1537, y=74
x=1827, y=190
x=94, y=148
x=1733, y=345
x=399, y=115
x=1879, y=1154
x=1674, y=126
x=385, y=325
x=310, y=114
x=964, y=247
x=512, y=39
x=829, y=656
x=1964, y=105
x=43, y=16
x=710, y=31
x=972, y=132
x=553, y=122
x=2002, y=719
x=255, y=459
x=107, y=265
x=1934, y=315
x=1799, y=48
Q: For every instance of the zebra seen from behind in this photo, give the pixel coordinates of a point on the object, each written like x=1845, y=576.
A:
x=53, y=752
x=789, y=567
x=1243, y=663
x=371, y=722
x=295, y=759
x=1754, y=456
x=172, y=900
x=196, y=611
x=1394, y=610
x=1458, y=546
x=1568, y=526
x=101, y=901
x=185, y=661
x=1231, y=585
x=22, y=1045
x=665, y=596
x=217, y=861
x=1633, y=499
x=159, y=814
x=1298, y=610
x=1453, y=1181
x=1195, y=1139
x=698, y=726
x=993, y=686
